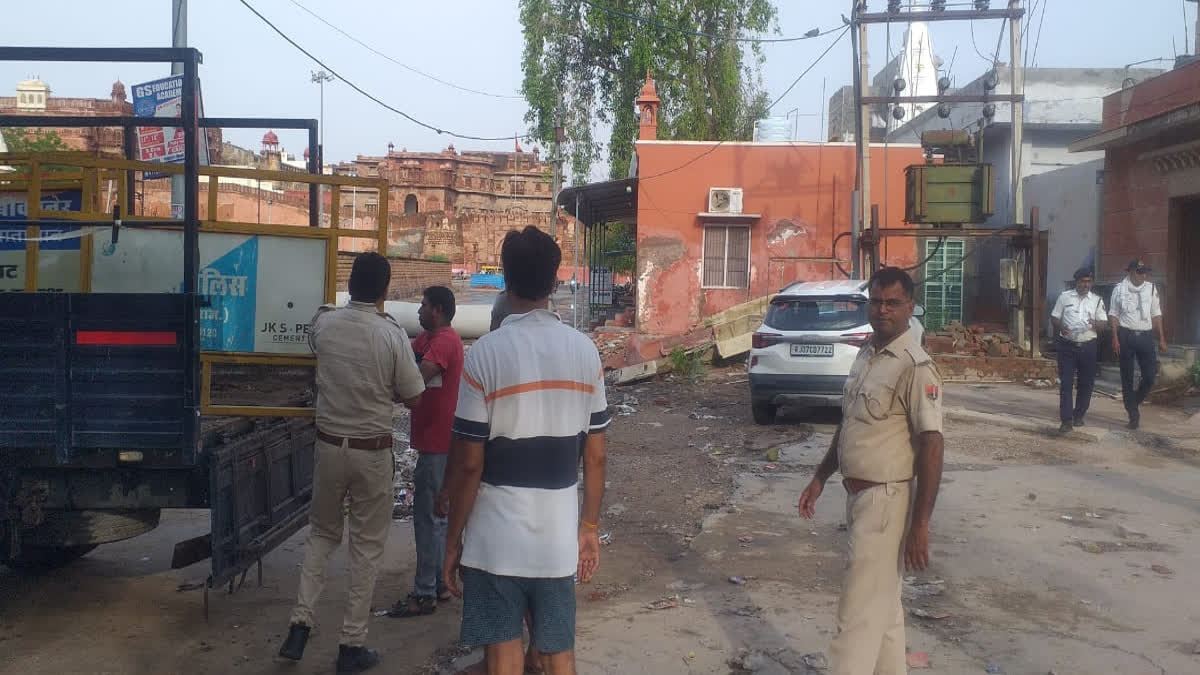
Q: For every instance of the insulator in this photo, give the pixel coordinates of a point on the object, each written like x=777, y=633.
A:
x=899, y=85
x=943, y=83
x=944, y=110
x=898, y=113
x=989, y=111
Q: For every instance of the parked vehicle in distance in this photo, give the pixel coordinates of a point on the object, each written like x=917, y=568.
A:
x=803, y=351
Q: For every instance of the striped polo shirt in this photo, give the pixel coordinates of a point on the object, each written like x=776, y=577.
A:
x=531, y=391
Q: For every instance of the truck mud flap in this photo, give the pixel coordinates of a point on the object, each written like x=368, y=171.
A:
x=260, y=490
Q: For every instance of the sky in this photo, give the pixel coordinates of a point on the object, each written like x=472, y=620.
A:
x=250, y=71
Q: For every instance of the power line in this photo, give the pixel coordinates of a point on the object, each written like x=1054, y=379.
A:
x=768, y=108
x=1038, y=40
x=720, y=38
x=405, y=66
x=367, y=94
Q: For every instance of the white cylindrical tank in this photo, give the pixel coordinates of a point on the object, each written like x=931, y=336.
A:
x=470, y=321
x=773, y=129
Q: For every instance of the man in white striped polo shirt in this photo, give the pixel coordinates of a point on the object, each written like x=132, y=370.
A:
x=531, y=401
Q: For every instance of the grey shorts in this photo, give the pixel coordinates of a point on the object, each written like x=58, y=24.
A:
x=494, y=608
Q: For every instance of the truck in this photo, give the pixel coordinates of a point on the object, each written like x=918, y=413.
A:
x=156, y=363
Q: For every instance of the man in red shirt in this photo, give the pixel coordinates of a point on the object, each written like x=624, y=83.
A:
x=439, y=352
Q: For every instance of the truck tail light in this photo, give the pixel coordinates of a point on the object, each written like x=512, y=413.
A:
x=855, y=339
x=763, y=340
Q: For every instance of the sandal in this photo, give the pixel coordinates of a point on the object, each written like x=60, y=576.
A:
x=404, y=610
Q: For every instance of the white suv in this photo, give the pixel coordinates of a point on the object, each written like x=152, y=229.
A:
x=810, y=337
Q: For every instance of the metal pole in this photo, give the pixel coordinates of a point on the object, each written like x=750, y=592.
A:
x=575, y=270
x=178, y=40
x=320, y=77
x=191, y=254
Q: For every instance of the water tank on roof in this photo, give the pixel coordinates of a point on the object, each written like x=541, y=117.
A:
x=773, y=130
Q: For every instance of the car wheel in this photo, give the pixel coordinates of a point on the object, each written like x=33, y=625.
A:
x=764, y=413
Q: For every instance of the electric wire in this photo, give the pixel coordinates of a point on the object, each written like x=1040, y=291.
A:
x=405, y=66
x=720, y=38
x=372, y=97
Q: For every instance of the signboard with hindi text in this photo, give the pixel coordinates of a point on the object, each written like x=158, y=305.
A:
x=259, y=292
x=58, y=243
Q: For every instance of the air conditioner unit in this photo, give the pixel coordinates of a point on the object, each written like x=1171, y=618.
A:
x=725, y=200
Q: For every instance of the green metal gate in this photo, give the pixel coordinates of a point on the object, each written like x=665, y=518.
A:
x=944, y=283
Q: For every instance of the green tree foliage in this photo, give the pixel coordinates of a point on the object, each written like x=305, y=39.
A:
x=19, y=140
x=585, y=66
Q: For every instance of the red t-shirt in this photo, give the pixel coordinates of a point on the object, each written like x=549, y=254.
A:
x=432, y=419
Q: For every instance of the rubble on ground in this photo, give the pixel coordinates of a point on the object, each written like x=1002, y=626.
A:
x=974, y=340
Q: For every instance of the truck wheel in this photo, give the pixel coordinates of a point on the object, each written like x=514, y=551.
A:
x=42, y=558
x=764, y=413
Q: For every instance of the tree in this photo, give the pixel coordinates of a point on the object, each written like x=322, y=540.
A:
x=20, y=140
x=585, y=62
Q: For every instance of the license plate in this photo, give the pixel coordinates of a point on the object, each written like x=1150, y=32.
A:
x=812, y=350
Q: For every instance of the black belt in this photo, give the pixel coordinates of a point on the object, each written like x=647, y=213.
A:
x=376, y=443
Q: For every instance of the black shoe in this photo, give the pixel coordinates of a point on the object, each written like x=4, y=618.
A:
x=1065, y=428
x=1078, y=421
x=293, y=646
x=1134, y=421
x=355, y=659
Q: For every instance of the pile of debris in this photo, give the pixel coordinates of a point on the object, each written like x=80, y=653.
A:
x=612, y=347
x=976, y=340
x=405, y=466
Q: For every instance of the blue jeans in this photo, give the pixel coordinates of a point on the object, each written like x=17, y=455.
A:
x=429, y=529
x=1139, y=346
x=1075, y=360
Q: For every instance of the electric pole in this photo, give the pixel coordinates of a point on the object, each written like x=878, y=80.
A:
x=178, y=41
x=320, y=77
x=556, y=160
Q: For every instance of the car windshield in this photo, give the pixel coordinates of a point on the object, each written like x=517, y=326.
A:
x=817, y=313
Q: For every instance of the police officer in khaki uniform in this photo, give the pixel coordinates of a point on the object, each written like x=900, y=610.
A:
x=364, y=366
x=891, y=429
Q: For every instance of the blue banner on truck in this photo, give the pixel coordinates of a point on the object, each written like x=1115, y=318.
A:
x=58, y=243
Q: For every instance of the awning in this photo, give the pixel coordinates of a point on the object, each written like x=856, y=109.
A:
x=607, y=202
x=1167, y=127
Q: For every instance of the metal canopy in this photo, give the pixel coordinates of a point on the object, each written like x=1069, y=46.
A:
x=607, y=202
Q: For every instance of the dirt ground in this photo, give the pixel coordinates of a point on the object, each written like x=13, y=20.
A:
x=1050, y=554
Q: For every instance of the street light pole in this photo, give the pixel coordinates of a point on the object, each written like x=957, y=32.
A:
x=320, y=77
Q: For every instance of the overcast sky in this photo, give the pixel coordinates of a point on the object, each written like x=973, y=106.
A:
x=249, y=71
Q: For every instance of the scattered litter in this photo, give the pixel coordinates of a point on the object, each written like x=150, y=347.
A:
x=1091, y=547
x=773, y=455
x=379, y=612
x=917, y=659
x=737, y=581
x=630, y=400
x=624, y=410
x=1067, y=518
x=1085, y=602
x=691, y=656
x=665, y=603
x=700, y=416
x=994, y=669
x=816, y=661
x=656, y=425
x=700, y=429
x=1089, y=514
x=597, y=596
x=842, y=527
x=928, y=614
x=190, y=586
x=746, y=538
x=1163, y=570
x=689, y=602
x=606, y=538
x=770, y=467
x=927, y=589
x=960, y=540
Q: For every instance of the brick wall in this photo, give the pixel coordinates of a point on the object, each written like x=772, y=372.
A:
x=987, y=368
x=410, y=276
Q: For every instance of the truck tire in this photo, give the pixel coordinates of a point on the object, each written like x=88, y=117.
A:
x=44, y=558
x=764, y=413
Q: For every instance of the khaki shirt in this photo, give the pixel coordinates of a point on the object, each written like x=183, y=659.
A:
x=892, y=395
x=364, y=364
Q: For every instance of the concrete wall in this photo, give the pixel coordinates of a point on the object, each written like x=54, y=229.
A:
x=803, y=193
x=1069, y=203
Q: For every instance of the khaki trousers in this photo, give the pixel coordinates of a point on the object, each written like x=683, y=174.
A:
x=365, y=476
x=870, y=630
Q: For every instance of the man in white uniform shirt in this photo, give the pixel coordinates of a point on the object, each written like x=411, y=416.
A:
x=1136, y=316
x=530, y=404
x=1078, y=316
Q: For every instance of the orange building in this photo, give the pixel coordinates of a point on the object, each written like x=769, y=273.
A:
x=719, y=224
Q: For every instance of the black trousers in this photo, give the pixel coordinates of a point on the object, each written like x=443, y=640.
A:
x=1075, y=361
x=1137, y=346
